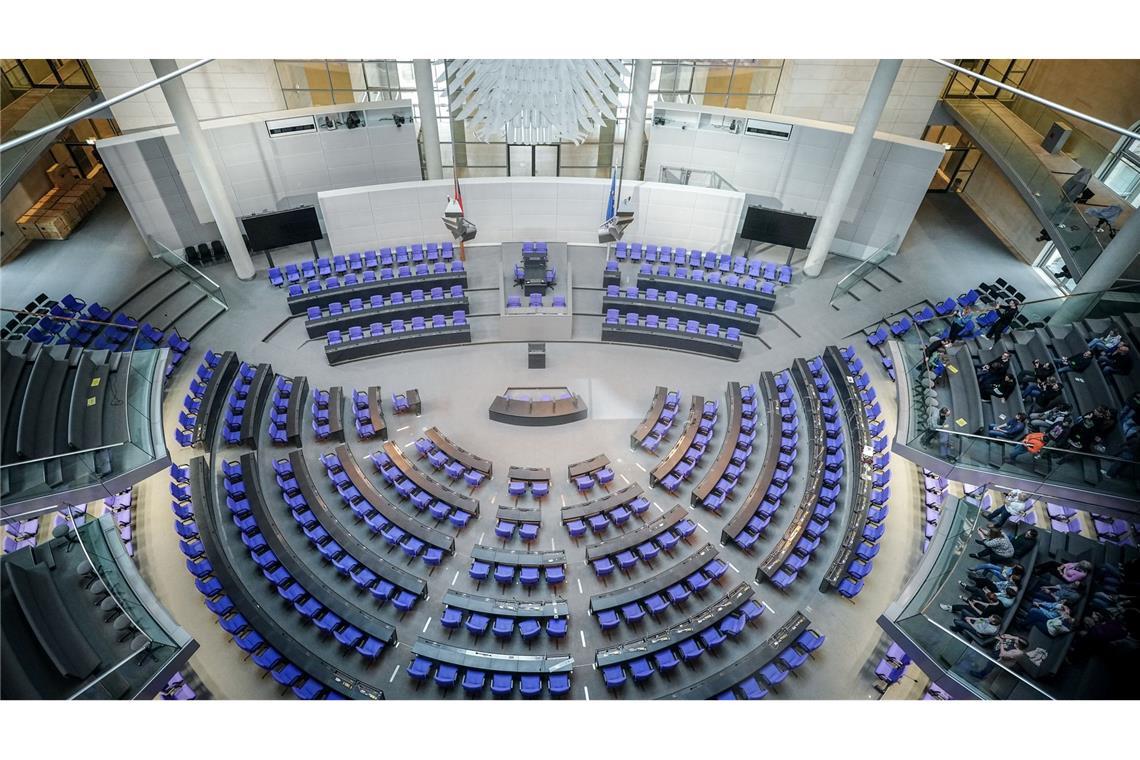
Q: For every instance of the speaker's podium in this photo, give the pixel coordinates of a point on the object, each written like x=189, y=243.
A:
x=536, y=355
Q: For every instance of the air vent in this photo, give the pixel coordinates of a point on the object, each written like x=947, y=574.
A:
x=772, y=129
x=294, y=125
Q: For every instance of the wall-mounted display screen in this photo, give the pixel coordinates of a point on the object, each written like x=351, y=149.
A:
x=766, y=225
x=278, y=229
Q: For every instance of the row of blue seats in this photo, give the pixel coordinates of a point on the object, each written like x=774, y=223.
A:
x=394, y=535
x=527, y=575
x=691, y=459
x=934, y=497
x=777, y=670
x=242, y=634
x=376, y=301
x=474, y=681
x=193, y=400
x=741, y=453
x=830, y=486
x=306, y=605
x=692, y=326
x=377, y=329
x=665, y=541
x=527, y=529
x=321, y=414
x=535, y=301
x=441, y=461
x=439, y=509
x=617, y=515
x=713, y=278
x=723, y=262
x=362, y=415
x=279, y=410
x=785, y=466
x=503, y=628
x=387, y=273
x=676, y=595
x=381, y=589
x=861, y=564
x=539, y=489
x=706, y=639
x=585, y=482
x=663, y=423
x=550, y=276
x=729, y=306
x=235, y=411
x=358, y=262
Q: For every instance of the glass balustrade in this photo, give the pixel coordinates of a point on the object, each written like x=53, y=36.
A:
x=196, y=277
x=1014, y=145
x=676, y=175
x=864, y=268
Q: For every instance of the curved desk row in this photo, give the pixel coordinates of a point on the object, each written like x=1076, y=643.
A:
x=214, y=398
x=458, y=453
x=256, y=397
x=587, y=466
x=425, y=483
x=815, y=435
x=617, y=598
x=322, y=298
x=746, y=666
x=393, y=343
x=210, y=521
x=513, y=411
x=683, y=311
x=746, y=510
x=319, y=328
x=588, y=509
x=735, y=416
x=512, y=608
x=361, y=551
x=519, y=514
x=677, y=453
x=529, y=474
x=677, y=340
x=390, y=511
x=656, y=407
x=517, y=558
x=376, y=412
x=634, y=538
x=491, y=661
x=328, y=597
x=675, y=634
x=859, y=442
x=295, y=411
x=763, y=301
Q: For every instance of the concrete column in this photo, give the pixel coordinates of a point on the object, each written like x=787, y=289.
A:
x=203, y=162
x=635, y=124
x=429, y=125
x=873, y=105
x=1109, y=267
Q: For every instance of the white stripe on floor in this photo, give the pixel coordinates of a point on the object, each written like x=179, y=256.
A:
x=394, y=672
x=427, y=624
x=453, y=580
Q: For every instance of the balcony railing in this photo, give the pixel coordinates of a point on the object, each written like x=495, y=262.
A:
x=676, y=175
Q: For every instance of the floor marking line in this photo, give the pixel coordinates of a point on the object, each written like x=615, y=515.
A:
x=580, y=586
x=638, y=464
x=734, y=568
x=482, y=536
x=405, y=427
x=623, y=477
x=767, y=607
x=706, y=530
x=583, y=635
x=453, y=580
x=427, y=624
x=394, y=672
x=586, y=689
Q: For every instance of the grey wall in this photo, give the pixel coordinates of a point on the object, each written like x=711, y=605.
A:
x=797, y=174
x=260, y=173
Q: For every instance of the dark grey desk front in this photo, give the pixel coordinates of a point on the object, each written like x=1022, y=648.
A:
x=748, y=665
x=392, y=343
x=458, y=453
x=363, y=290
x=391, y=512
x=605, y=503
x=722, y=292
x=739, y=520
x=512, y=608
x=634, y=538
x=683, y=311
x=677, y=340
x=517, y=558
x=213, y=400
x=491, y=661
x=360, y=551
x=656, y=407
x=655, y=584
x=675, y=634
x=536, y=413
x=688, y=435
x=429, y=307
x=734, y=416
x=436, y=489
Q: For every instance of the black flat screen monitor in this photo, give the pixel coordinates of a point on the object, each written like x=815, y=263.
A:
x=765, y=225
x=278, y=229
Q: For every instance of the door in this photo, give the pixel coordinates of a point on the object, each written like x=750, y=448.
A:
x=533, y=160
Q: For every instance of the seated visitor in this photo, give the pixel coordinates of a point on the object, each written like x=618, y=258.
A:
x=995, y=545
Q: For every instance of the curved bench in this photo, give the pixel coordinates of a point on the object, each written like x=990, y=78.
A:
x=739, y=528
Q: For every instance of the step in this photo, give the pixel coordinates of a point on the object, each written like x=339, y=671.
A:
x=197, y=318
